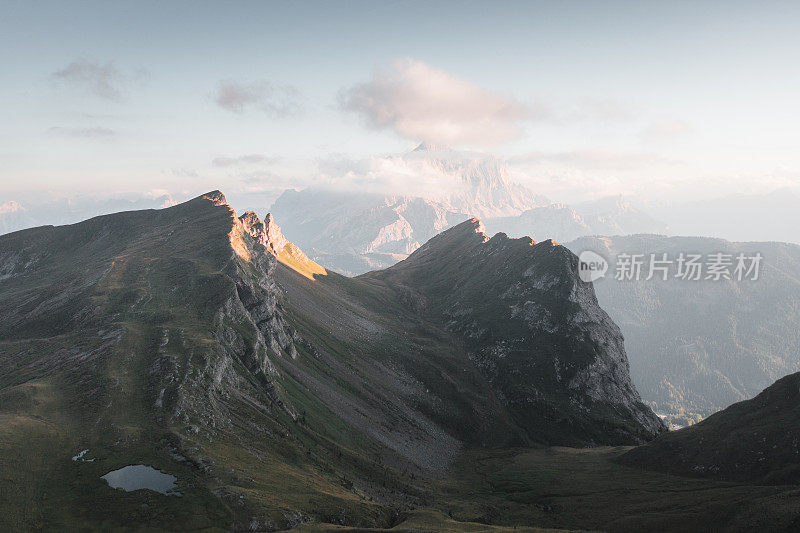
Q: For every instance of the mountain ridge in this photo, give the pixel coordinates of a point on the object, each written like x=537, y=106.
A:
x=540, y=297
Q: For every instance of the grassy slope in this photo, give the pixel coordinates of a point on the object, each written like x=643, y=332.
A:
x=754, y=440
x=54, y=384
x=56, y=376
x=587, y=489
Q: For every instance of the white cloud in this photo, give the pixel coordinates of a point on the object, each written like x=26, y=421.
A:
x=393, y=175
x=594, y=160
x=275, y=100
x=579, y=175
x=422, y=103
x=103, y=80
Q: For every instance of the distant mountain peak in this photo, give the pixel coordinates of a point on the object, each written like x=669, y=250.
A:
x=10, y=207
x=426, y=146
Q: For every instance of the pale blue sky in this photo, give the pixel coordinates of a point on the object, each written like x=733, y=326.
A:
x=650, y=99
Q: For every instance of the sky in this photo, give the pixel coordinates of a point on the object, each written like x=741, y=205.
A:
x=658, y=101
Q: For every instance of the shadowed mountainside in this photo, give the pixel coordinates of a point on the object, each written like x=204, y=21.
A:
x=533, y=328
x=756, y=440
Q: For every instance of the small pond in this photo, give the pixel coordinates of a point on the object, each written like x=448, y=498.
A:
x=137, y=477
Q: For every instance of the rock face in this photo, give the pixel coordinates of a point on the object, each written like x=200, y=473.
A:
x=487, y=189
x=697, y=346
x=757, y=440
x=273, y=234
x=534, y=328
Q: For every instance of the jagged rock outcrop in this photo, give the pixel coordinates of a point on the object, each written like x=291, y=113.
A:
x=534, y=327
x=274, y=235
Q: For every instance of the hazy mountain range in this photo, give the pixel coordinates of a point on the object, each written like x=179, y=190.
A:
x=771, y=216
x=699, y=346
x=353, y=232
x=49, y=209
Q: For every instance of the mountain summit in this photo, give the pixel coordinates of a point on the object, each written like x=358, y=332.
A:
x=534, y=329
x=425, y=146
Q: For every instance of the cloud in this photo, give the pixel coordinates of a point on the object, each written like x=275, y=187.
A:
x=665, y=130
x=185, y=173
x=96, y=79
x=579, y=175
x=247, y=159
x=85, y=133
x=566, y=175
x=594, y=159
x=422, y=103
x=403, y=175
x=276, y=100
